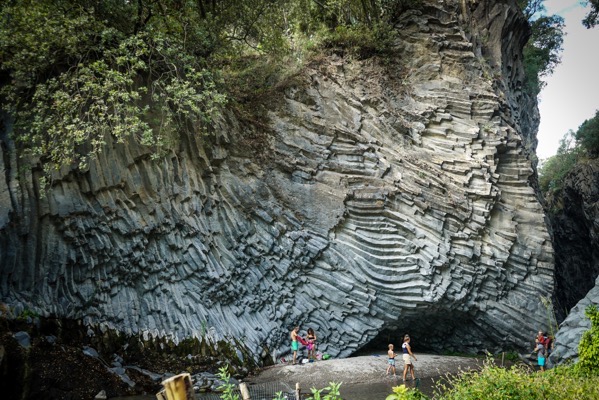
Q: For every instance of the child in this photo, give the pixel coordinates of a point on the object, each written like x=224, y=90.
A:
x=294, y=344
x=391, y=360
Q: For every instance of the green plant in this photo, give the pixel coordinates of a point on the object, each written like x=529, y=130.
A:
x=518, y=382
x=227, y=387
x=588, y=348
x=332, y=392
x=550, y=313
x=27, y=313
x=401, y=392
x=279, y=396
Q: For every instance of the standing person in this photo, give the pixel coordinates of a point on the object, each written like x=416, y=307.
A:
x=407, y=354
x=542, y=339
x=294, y=343
x=311, y=338
x=391, y=360
x=541, y=354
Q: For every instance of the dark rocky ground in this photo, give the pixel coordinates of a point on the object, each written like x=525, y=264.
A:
x=50, y=359
x=45, y=359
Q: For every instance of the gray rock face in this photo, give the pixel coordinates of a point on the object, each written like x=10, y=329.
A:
x=571, y=329
x=574, y=219
x=387, y=197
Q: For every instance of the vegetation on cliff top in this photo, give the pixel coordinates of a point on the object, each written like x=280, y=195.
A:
x=74, y=73
x=575, y=148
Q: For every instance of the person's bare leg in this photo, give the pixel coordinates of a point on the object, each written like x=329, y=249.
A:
x=412, y=370
x=405, y=371
x=294, y=356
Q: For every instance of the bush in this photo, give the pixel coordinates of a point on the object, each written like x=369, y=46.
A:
x=492, y=382
x=401, y=392
x=588, y=348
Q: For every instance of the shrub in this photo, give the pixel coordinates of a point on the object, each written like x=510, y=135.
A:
x=517, y=382
x=401, y=392
x=588, y=348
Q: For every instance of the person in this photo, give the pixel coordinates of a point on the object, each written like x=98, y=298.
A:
x=541, y=338
x=549, y=343
x=541, y=354
x=407, y=355
x=311, y=346
x=294, y=343
x=391, y=360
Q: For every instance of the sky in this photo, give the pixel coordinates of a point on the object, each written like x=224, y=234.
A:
x=571, y=95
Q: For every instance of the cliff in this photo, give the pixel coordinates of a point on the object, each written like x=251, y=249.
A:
x=573, y=217
x=384, y=197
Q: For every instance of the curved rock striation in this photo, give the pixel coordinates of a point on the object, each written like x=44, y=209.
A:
x=390, y=197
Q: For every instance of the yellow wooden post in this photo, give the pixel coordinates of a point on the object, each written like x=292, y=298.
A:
x=178, y=387
x=245, y=394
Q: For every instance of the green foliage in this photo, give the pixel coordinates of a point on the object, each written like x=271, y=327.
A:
x=332, y=392
x=227, y=387
x=542, y=53
x=588, y=348
x=592, y=18
x=359, y=40
x=553, y=170
x=401, y=392
x=588, y=134
x=495, y=383
x=280, y=396
x=76, y=79
x=26, y=314
x=77, y=74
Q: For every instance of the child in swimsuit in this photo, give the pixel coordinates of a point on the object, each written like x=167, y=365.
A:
x=391, y=360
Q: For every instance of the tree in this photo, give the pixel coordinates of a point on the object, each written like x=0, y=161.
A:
x=553, y=170
x=588, y=134
x=592, y=18
x=73, y=73
x=542, y=52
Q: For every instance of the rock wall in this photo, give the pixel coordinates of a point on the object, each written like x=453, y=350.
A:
x=389, y=196
x=571, y=329
x=573, y=213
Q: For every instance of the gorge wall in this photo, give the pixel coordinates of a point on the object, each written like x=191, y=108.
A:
x=573, y=216
x=385, y=197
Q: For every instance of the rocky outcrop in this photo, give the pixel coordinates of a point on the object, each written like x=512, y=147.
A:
x=388, y=197
x=571, y=329
x=573, y=212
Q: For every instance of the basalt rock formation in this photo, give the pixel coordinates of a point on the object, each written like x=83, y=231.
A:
x=573, y=215
x=572, y=328
x=388, y=196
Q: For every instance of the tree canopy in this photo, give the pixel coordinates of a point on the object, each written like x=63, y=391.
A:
x=75, y=72
x=542, y=52
x=592, y=18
